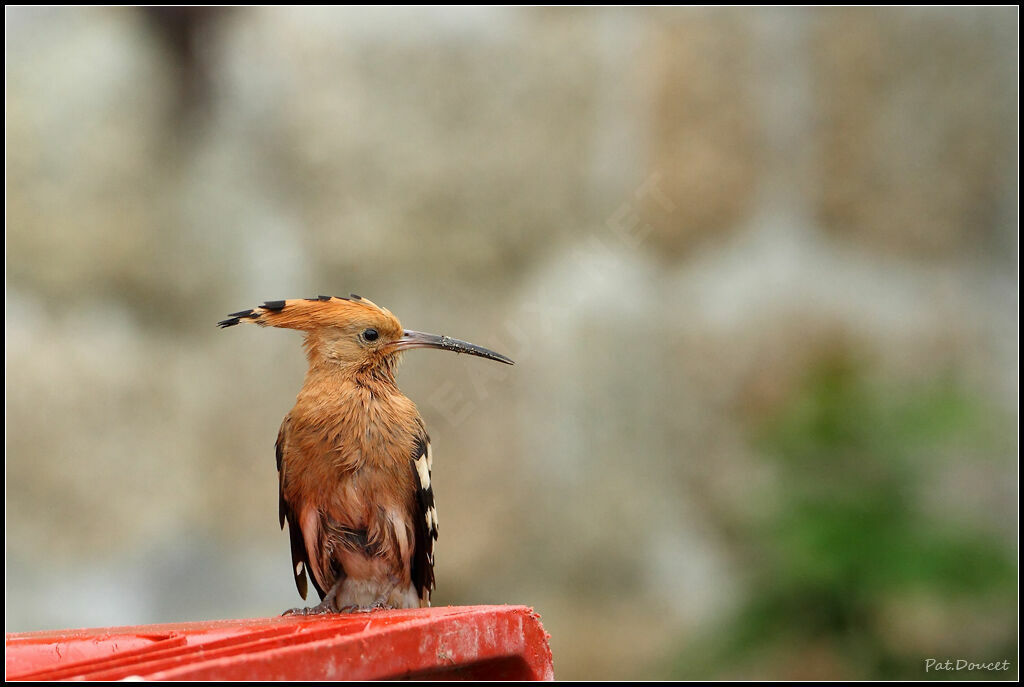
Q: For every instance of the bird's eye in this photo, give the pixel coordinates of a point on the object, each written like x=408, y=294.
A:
x=370, y=334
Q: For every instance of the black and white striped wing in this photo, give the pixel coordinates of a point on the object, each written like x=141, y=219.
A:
x=425, y=519
x=300, y=559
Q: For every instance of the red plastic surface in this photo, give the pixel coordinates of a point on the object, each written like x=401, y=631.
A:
x=448, y=643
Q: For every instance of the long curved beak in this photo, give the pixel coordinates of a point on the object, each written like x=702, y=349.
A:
x=412, y=339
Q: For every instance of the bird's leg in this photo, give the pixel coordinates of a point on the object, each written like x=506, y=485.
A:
x=379, y=604
x=325, y=606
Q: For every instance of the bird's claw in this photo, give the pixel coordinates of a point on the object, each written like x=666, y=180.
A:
x=354, y=608
x=319, y=609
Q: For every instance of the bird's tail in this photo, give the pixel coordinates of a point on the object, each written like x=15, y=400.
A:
x=305, y=314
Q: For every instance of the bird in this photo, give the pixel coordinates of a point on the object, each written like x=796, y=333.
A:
x=353, y=457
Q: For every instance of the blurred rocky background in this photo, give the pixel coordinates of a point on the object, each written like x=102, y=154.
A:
x=758, y=269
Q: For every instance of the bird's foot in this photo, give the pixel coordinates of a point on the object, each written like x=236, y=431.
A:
x=325, y=606
x=381, y=603
x=321, y=608
x=356, y=608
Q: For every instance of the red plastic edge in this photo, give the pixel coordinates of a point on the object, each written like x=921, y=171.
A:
x=450, y=643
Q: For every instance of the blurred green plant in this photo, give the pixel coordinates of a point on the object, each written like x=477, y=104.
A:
x=848, y=540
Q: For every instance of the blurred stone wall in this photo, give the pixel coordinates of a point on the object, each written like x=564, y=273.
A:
x=667, y=217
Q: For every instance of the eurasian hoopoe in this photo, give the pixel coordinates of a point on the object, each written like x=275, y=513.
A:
x=353, y=456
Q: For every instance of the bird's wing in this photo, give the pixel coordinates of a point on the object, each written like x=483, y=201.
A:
x=300, y=559
x=425, y=518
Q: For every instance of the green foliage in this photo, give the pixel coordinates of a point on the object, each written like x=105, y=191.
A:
x=849, y=535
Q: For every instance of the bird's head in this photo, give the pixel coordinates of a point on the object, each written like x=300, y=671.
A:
x=351, y=332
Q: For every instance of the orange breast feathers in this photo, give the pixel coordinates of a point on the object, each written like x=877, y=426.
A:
x=345, y=473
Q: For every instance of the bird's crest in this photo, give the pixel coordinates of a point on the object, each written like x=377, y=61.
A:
x=307, y=314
